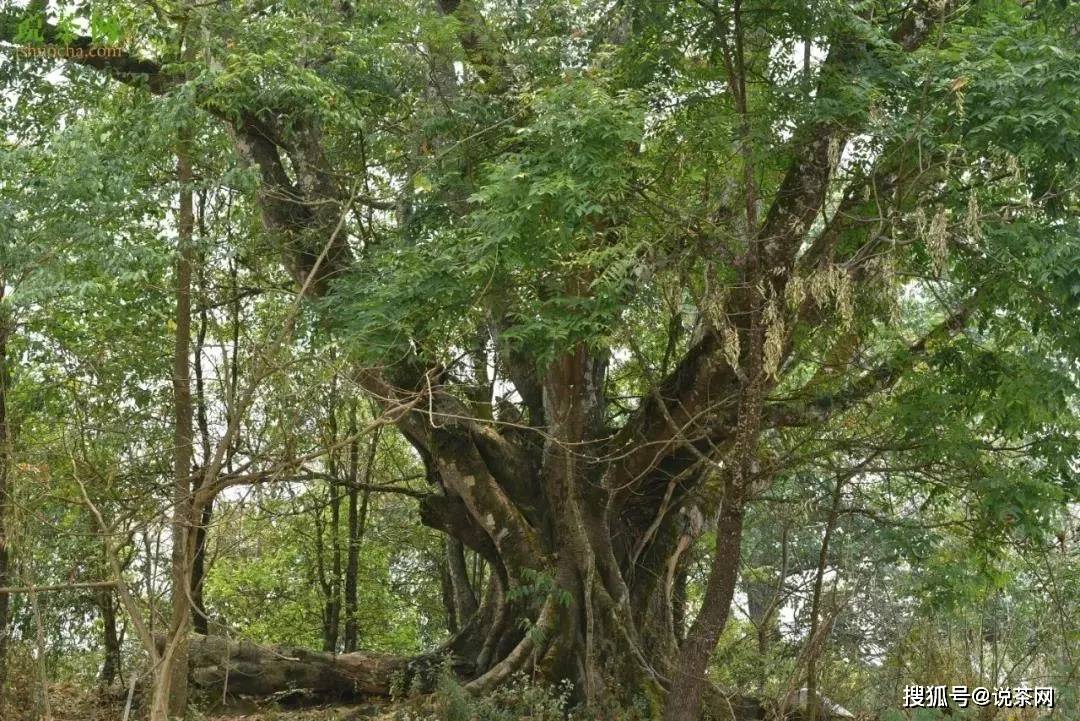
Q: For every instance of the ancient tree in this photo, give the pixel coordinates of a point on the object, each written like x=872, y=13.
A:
x=766, y=271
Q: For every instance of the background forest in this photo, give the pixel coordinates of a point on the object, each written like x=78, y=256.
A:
x=462, y=360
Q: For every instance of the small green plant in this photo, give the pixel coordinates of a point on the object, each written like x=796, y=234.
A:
x=452, y=696
x=521, y=698
x=538, y=587
x=399, y=682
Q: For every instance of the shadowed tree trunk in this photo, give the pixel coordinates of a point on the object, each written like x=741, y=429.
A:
x=332, y=607
x=200, y=621
x=352, y=560
x=446, y=587
x=814, y=644
x=357, y=521
x=326, y=578
x=462, y=595
x=331, y=579
x=5, y=484
x=110, y=667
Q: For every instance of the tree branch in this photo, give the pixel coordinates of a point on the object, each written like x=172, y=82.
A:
x=876, y=380
x=74, y=586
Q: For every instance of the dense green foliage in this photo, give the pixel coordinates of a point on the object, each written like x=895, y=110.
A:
x=471, y=194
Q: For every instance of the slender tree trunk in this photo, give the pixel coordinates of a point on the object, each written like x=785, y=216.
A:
x=5, y=487
x=465, y=604
x=174, y=659
x=678, y=604
x=333, y=601
x=352, y=562
x=329, y=580
x=110, y=666
x=198, y=569
x=357, y=520
x=813, y=643
x=446, y=586
x=200, y=620
x=685, y=696
x=332, y=609
x=764, y=597
x=318, y=575
x=233, y=381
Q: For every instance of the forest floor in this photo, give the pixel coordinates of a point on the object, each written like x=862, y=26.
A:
x=70, y=702
x=326, y=713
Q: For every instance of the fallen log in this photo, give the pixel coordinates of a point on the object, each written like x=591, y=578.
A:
x=247, y=669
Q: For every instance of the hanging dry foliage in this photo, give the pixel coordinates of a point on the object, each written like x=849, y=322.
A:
x=715, y=311
x=937, y=240
x=730, y=339
x=774, y=337
x=844, y=294
x=971, y=220
x=795, y=292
